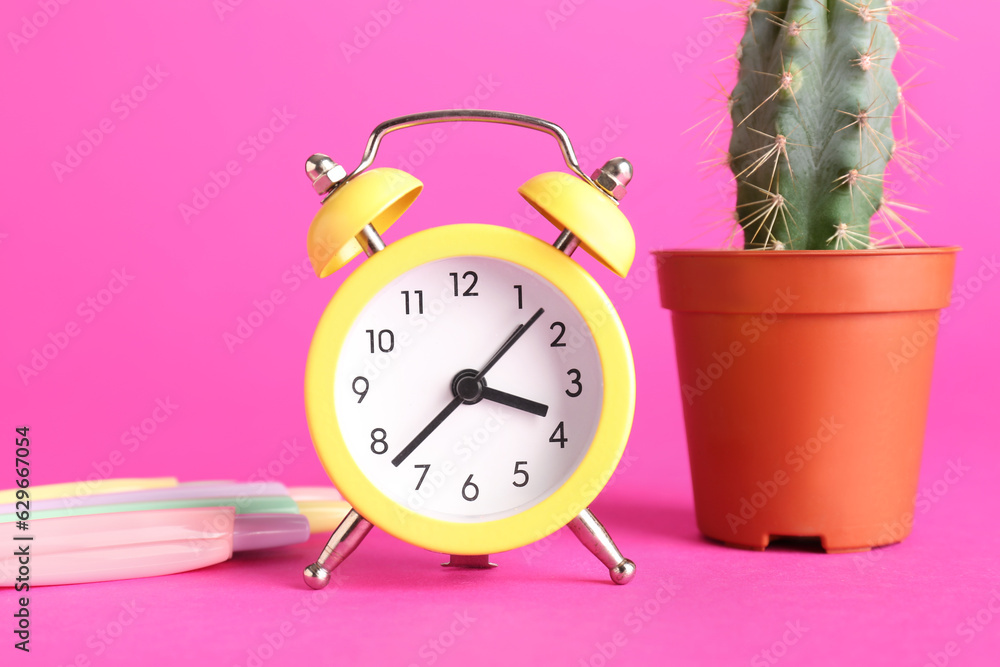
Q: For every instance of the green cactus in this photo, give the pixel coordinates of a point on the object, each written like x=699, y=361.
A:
x=812, y=122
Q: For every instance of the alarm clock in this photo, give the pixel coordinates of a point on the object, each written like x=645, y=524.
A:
x=469, y=388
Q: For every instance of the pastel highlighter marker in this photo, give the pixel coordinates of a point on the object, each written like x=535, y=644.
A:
x=109, y=547
x=83, y=489
x=322, y=505
x=266, y=516
x=314, y=493
x=244, y=505
x=180, y=492
x=265, y=531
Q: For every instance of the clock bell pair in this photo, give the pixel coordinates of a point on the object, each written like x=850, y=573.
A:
x=469, y=388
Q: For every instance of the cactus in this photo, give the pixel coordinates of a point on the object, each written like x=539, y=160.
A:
x=812, y=123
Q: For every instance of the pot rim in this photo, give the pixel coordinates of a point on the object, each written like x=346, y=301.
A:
x=816, y=281
x=876, y=252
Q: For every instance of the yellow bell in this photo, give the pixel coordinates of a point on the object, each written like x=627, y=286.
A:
x=376, y=197
x=568, y=202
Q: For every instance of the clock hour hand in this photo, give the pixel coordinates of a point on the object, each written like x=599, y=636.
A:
x=516, y=402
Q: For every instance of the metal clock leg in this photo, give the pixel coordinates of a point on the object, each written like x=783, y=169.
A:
x=341, y=544
x=593, y=535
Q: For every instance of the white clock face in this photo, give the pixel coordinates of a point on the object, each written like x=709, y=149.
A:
x=429, y=428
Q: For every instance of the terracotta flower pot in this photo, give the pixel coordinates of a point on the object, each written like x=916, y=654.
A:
x=805, y=378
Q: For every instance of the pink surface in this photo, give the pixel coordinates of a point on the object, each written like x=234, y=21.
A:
x=147, y=381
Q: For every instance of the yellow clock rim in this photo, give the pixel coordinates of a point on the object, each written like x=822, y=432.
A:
x=617, y=409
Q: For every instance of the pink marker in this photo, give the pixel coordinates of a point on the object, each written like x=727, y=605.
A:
x=109, y=547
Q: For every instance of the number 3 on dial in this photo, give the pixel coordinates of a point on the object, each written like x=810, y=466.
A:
x=575, y=381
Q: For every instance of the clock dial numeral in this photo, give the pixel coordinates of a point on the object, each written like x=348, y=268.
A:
x=514, y=442
x=364, y=387
x=519, y=471
x=379, y=445
x=426, y=467
x=559, y=435
x=386, y=340
x=472, y=285
x=575, y=382
x=562, y=332
x=466, y=493
x=419, y=294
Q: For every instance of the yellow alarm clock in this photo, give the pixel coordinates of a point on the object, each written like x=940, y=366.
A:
x=469, y=388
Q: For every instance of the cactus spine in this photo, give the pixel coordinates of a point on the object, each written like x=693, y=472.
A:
x=812, y=122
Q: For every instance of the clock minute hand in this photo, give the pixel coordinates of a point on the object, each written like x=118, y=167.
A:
x=457, y=401
x=406, y=451
x=516, y=402
x=509, y=343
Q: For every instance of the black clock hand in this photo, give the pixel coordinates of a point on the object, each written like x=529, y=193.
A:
x=510, y=400
x=451, y=407
x=458, y=400
x=509, y=343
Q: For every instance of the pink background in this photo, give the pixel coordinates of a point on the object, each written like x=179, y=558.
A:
x=609, y=74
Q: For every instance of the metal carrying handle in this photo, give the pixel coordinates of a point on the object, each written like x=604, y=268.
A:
x=471, y=115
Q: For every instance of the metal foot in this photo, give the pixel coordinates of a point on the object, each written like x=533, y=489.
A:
x=473, y=562
x=593, y=535
x=341, y=544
